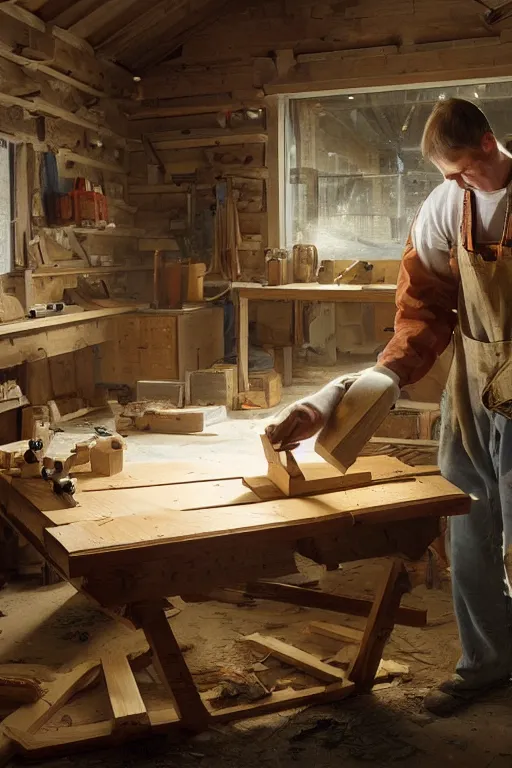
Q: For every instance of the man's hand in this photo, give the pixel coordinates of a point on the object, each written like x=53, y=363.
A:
x=301, y=422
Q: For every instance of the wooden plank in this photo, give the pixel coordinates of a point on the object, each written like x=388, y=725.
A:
x=379, y=625
x=310, y=598
x=23, y=327
x=297, y=658
x=243, y=344
x=210, y=141
x=171, y=666
x=378, y=294
x=32, y=716
x=74, y=157
x=286, y=699
x=37, y=105
x=156, y=527
x=127, y=705
x=336, y=632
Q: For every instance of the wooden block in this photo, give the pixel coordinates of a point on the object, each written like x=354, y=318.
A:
x=107, y=456
x=212, y=386
x=173, y=391
x=336, y=632
x=355, y=420
x=265, y=389
x=185, y=421
x=300, y=659
x=127, y=705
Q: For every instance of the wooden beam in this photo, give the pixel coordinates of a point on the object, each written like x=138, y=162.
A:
x=379, y=625
x=196, y=105
x=336, y=632
x=127, y=705
x=38, y=105
x=171, y=666
x=101, y=16
x=137, y=28
x=297, y=658
x=310, y=598
x=39, y=66
x=74, y=157
x=190, y=23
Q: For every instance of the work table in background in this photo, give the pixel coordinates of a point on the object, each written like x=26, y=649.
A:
x=377, y=294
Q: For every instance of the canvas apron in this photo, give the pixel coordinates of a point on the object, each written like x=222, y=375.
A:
x=481, y=374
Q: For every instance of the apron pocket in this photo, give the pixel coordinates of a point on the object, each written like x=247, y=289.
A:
x=497, y=395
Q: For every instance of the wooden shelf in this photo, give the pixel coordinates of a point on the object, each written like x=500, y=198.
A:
x=72, y=317
x=111, y=231
x=61, y=271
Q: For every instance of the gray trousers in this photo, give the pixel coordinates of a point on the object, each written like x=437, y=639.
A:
x=481, y=465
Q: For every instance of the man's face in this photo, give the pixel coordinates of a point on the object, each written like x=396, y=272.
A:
x=473, y=167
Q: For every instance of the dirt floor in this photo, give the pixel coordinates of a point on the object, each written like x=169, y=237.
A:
x=56, y=627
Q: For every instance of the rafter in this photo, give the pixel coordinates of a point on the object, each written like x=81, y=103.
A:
x=101, y=16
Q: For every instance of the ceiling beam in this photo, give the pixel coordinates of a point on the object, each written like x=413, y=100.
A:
x=74, y=12
x=136, y=29
x=99, y=17
x=189, y=24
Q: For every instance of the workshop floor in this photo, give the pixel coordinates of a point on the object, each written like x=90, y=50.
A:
x=57, y=627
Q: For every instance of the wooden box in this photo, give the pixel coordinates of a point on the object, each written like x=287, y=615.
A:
x=163, y=345
x=214, y=386
x=265, y=389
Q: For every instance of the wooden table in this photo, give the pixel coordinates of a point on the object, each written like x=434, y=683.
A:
x=374, y=294
x=159, y=530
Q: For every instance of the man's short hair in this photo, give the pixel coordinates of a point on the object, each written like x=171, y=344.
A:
x=454, y=125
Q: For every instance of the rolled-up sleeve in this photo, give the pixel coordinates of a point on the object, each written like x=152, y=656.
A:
x=426, y=301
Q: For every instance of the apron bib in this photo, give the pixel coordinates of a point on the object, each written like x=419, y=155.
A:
x=481, y=375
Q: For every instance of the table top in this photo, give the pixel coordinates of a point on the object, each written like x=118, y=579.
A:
x=153, y=511
x=377, y=293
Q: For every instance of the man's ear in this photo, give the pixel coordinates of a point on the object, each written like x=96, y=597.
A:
x=488, y=142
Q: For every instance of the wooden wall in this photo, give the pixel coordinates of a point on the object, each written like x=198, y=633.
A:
x=57, y=96
x=255, y=50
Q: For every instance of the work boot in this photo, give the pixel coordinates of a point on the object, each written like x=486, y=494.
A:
x=453, y=695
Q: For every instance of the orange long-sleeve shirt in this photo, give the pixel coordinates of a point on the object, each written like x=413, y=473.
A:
x=426, y=302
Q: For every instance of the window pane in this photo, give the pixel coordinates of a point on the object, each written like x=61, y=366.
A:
x=5, y=209
x=355, y=173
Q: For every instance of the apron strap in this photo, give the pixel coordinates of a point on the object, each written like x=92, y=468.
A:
x=507, y=228
x=468, y=219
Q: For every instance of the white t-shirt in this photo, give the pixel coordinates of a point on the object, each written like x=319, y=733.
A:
x=438, y=222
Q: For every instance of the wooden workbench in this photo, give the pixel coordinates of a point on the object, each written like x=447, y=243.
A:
x=159, y=530
x=373, y=294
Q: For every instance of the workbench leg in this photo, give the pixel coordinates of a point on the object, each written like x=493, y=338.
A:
x=243, y=345
x=379, y=626
x=171, y=666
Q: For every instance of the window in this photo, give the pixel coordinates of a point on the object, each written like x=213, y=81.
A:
x=6, y=207
x=356, y=176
